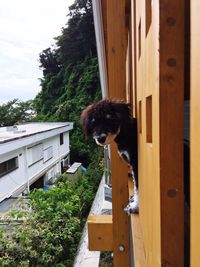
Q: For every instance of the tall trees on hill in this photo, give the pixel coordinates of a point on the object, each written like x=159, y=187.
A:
x=70, y=76
x=77, y=40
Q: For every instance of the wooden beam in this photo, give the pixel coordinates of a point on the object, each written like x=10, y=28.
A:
x=171, y=131
x=116, y=60
x=117, y=40
x=136, y=232
x=138, y=244
x=194, y=134
x=100, y=232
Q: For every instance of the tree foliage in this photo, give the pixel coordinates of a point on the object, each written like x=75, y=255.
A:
x=50, y=233
x=77, y=40
x=49, y=62
x=16, y=111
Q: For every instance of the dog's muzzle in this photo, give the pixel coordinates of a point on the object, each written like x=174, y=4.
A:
x=100, y=140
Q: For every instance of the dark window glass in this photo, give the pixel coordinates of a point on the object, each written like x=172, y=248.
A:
x=61, y=139
x=12, y=164
x=8, y=166
x=3, y=168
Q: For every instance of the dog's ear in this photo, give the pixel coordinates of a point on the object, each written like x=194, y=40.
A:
x=84, y=120
x=122, y=111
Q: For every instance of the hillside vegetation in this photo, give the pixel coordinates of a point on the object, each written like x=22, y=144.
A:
x=70, y=77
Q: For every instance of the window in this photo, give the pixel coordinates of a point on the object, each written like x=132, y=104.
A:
x=148, y=15
x=139, y=40
x=8, y=166
x=35, y=154
x=149, y=119
x=61, y=139
x=48, y=154
x=140, y=117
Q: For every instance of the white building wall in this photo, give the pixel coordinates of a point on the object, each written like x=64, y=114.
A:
x=59, y=151
x=17, y=180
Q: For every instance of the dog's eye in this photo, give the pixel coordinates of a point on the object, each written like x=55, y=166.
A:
x=93, y=120
x=108, y=116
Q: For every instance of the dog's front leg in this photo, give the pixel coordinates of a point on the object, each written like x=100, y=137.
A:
x=133, y=206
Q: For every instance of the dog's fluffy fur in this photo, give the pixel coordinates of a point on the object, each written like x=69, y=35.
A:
x=107, y=121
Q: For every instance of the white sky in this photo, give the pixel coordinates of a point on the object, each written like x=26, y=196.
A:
x=26, y=28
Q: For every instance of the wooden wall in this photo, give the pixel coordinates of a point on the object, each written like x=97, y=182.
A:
x=146, y=85
x=145, y=54
x=158, y=89
x=195, y=133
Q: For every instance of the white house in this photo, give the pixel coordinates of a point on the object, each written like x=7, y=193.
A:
x=31, y=153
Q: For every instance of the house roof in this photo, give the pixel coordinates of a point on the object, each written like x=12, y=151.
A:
x=13, y=137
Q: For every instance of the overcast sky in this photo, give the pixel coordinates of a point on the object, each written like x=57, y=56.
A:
x=26, y=28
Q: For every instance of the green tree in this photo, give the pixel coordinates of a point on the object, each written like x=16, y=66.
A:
x=48, y=62
x=49, y=234
x=77, y=40
x=53, y=221
x=16, y=111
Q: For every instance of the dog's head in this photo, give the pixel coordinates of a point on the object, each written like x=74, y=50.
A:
x=102, y=120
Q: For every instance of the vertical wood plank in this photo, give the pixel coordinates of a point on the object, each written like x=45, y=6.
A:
x=116, y=59
x=117, y=48
x=171, y=131
x=134, y=58
x=195, y=133
x=147, y=71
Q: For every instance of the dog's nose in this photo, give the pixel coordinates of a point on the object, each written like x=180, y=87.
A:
x=101, y=139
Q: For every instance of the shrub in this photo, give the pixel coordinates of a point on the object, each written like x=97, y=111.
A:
x=51, y=230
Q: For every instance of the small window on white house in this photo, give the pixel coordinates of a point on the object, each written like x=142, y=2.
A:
x=8, y=166
x=61, y=139
x=35, y=154
x=48, y=154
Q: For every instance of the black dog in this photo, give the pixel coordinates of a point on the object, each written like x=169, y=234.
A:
x=107, y=121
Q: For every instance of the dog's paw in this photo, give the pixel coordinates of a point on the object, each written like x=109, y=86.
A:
x=132, y=208
x=131, y=198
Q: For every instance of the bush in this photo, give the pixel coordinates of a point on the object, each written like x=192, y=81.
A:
x=51, y=231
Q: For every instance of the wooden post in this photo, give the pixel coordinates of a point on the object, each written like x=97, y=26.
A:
x=171, y=131
x=195, y=133
x=116, y=60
